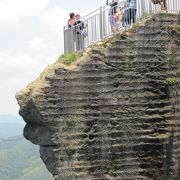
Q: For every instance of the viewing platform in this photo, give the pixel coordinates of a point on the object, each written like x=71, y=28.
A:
x=97, y=25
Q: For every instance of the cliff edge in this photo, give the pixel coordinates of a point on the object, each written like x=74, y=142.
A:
x=115, y=113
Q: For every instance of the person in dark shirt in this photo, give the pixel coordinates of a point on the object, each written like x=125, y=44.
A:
x=112, y=13
x=79, y=37
x=79, y=25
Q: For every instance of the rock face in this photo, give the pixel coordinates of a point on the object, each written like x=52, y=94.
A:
x=115, y=113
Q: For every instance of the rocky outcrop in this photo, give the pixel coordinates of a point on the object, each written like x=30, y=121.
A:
x=114, y=114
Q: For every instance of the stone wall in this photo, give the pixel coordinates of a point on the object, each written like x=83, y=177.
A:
x=114, y=114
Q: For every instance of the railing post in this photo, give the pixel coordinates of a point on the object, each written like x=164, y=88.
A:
x=65, y=47
x=68, y=40
x=104, y=25
x=143, y=8
x=72, y=39
x=150, y=7
x=101, y=22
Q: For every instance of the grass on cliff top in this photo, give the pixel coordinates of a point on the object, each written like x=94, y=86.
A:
x=67, y=59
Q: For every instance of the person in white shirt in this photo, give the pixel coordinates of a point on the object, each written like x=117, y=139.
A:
x=132, y=11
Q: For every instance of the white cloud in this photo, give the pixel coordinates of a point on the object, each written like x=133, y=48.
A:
x=38, y=44
x=54, y=18
x=12, y=11
x=21, y=65
x=16, y=71
x=15, y=65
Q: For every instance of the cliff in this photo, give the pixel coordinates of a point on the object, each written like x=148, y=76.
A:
x=113, y=114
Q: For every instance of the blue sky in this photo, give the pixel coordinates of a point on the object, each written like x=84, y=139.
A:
x=31, y=37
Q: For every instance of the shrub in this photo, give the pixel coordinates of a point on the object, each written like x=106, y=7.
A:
x=69, y=58
x=170, y=81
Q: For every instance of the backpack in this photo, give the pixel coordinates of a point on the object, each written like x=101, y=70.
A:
x=84, y=33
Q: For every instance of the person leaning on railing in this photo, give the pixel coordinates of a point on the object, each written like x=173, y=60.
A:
x=129, y=13
x=69, y=33
x=124, y=14
x=118, y=17
x=72, y=20
x=163, y=4
x=112, y=14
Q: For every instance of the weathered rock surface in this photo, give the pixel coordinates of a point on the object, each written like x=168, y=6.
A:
x=111, y=115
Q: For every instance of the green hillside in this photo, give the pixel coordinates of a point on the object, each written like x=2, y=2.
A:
x=19, y=160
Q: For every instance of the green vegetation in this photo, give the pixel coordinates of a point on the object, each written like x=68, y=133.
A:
x=170, y=81
x=71, y=57
x=19, y=160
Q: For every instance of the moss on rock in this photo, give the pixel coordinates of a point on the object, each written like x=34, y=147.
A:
x=174, y=31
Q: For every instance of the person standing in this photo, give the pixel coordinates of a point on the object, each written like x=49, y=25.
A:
x=132, y=8
x=118, y=17
x=112, y=14
x=124, y=14
x=79, y=38
x=72, y=20
x=69, y=33
x=163, y=4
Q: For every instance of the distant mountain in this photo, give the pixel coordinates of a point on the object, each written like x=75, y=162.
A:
x=19, y=160
x=11, y=119
x=11, y=126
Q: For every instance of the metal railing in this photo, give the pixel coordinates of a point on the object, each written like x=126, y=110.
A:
x=103, y=22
